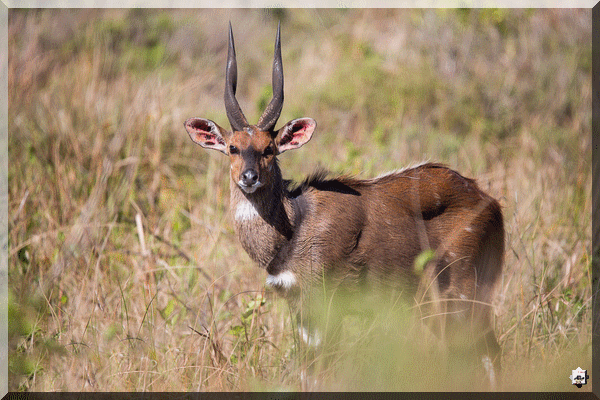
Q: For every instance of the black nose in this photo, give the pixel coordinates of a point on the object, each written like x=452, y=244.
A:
x=249, y=177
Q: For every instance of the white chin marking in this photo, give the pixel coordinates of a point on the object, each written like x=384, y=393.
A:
x=311, y=340
x=245, y=211
x=284, y=280
x=249, y=189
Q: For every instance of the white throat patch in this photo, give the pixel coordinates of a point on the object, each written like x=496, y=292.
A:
x=284, y=280
x=245, y=211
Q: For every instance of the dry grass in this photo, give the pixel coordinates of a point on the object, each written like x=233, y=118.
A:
x=124, y=272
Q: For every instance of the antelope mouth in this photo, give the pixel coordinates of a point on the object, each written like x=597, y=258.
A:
x=249, y=188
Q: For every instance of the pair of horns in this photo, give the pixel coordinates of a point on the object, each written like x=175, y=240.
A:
x=234, y=112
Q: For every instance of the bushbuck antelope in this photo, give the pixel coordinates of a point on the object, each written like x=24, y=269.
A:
x=365, y=232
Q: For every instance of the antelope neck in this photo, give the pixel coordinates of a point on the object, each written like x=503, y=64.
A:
x=262, y=219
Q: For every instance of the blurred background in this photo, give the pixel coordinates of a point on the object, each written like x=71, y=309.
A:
x=124, y=270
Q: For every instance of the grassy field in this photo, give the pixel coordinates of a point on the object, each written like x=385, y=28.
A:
x=124, y=270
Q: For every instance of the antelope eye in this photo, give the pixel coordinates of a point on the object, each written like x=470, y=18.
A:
x=268, y=151
x=233, y=149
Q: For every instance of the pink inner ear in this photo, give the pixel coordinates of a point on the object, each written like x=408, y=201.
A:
x=198, y=124
x=206, y=133
x=296, y=135
x=202, y=136
x=207, y=138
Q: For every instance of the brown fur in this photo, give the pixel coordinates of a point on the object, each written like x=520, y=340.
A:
x=360, y=233
x=368, y=233
x=379, y=224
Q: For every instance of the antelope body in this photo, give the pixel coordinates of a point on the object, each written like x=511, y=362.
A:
x=365, y=232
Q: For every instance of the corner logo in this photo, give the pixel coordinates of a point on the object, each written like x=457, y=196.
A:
x=579, y=377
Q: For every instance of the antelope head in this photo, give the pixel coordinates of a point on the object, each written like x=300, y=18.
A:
x=252, y=149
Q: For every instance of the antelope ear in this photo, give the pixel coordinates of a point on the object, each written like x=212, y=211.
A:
x=295, y=134
x=207, y=134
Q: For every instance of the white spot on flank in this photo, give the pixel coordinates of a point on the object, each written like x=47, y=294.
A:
x=284, y=280
x=313, y=340
x=245, y=211
x=469, y=229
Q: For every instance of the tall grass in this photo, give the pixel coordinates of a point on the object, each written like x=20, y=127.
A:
x=124, y=271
